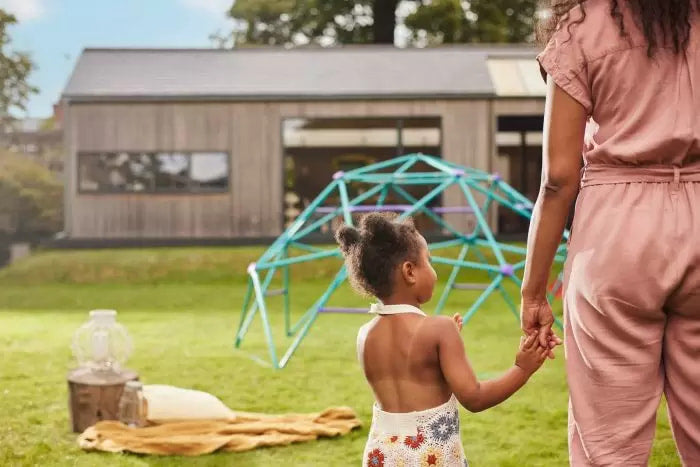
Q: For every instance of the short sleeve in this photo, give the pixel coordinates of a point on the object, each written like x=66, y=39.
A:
x=564, y=61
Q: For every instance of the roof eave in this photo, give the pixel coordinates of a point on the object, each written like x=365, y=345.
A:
x=89, y=98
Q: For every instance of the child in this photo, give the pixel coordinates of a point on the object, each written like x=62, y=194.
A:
x=416, y=365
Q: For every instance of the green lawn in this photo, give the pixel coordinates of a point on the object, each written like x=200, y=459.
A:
x=181, y=307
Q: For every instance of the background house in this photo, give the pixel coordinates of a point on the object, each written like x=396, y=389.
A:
x=223, y=144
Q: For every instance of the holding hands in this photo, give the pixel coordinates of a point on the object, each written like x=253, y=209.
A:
x=531, y=355
x=536, y=317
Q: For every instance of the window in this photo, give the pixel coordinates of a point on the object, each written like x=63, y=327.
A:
x=383, y=137
x=153, y=172
x=314, y=149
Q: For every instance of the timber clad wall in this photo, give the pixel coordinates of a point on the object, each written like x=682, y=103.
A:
x=250, y=132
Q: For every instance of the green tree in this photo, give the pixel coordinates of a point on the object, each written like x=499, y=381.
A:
x=440, y=21
x=511, y=21
x=30, y=197
x=328, y=22
x=331, y=22
x=485, y=21
x=15, y=68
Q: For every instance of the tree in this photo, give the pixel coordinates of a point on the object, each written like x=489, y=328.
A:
x=15, y=68
x=327, y=22
x=511, y=21
x=440, y=21
x=30, y=198
x=485, y=21
x=331, y=22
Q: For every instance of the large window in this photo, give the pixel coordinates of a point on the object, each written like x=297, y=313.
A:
x=153, y=172
x=315, y=149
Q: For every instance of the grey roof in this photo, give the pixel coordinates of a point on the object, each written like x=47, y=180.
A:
x=275, y=74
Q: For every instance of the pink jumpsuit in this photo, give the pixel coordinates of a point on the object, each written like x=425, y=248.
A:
x=632, y=280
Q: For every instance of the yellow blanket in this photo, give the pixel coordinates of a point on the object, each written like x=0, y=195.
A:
x=192, y=438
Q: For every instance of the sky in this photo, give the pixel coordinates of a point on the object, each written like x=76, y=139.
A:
x=54, y=32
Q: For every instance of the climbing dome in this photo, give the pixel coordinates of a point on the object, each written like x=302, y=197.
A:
x=418, y=182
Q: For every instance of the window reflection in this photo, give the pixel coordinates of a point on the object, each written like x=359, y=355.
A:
x=168, y=172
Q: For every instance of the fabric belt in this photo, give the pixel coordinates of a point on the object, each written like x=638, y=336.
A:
x=600, y=174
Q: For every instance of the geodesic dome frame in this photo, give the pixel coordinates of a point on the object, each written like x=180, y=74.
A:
x=480, y=189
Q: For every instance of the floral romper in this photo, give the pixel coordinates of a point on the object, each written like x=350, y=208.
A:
x=413, y=439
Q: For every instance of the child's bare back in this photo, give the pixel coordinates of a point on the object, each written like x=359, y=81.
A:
x=401, y=362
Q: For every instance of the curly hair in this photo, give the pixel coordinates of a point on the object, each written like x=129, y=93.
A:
x=374, y=251
x=663, y=22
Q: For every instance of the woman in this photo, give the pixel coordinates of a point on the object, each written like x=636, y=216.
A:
x=631, y=70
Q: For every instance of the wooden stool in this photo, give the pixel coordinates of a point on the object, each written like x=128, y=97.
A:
x=94, y=396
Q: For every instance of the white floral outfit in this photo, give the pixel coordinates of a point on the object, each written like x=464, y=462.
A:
x=414, y=439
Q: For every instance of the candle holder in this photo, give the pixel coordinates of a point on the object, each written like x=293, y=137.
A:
x=102, y=344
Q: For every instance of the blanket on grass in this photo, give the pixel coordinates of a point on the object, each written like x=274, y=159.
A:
x=192, y=438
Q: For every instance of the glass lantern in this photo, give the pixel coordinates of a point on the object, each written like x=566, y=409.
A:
x=101, y=344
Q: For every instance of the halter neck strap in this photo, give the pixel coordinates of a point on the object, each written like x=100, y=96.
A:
x=381, y=309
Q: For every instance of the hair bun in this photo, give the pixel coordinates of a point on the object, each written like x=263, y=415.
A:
x=380, y=228
x=347, y=237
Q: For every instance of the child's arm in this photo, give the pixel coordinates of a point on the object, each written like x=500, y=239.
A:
x=474, y=395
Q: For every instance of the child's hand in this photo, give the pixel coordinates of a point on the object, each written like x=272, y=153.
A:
x=458, y=321
x=552, y=342
x=531, y=355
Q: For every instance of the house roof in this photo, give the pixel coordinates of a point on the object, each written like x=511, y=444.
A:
x=305, y=73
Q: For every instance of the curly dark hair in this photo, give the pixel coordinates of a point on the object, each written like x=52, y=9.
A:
x=662, y=21
x=374, y=251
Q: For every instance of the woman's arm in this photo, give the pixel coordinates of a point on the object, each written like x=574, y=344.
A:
x=564, y=127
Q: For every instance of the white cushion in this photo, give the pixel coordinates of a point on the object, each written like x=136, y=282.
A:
x=169, y=403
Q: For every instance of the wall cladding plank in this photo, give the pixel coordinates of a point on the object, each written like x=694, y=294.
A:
x=466, y=141
x=69, y=168
x=249, y=163
x=518, y=106
x=272, y=218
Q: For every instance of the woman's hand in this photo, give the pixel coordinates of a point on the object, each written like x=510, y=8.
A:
x=536, y=316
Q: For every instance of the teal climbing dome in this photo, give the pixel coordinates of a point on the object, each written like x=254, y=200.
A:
x=399, y=178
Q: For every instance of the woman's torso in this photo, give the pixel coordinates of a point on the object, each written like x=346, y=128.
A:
x=643, y=111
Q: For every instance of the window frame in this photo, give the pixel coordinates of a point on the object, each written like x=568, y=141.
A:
x=167, y=192
x=399, y=129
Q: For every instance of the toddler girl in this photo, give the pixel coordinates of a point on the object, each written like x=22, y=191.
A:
x=416, y=365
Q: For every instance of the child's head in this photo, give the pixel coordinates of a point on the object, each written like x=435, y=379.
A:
x=387, y=259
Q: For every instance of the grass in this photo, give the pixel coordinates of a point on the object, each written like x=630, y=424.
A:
x=181, y=307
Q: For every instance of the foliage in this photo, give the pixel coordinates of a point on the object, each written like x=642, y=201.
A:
x=481, y=21
x=30, y=197
x=334, y=22
x=326, y=22
x=15, y=68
